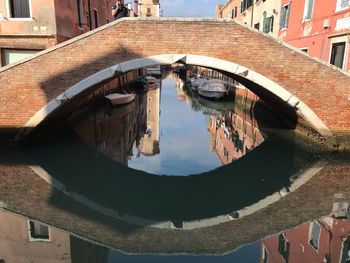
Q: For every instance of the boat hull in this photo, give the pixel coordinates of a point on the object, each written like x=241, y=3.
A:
x=119, y=99
x=212, y=94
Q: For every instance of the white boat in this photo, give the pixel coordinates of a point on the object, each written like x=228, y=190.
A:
x=213, y=88
x=118, y=98
x=150, y=80
x=195, y=83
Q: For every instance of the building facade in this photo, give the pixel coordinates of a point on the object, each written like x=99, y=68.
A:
x=28, y=26
x=147, y=8
x=261, y=14
x=325, y=240
x=320, y=28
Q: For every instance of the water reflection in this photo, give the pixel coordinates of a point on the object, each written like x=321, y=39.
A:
x=324, y=240
x=247, y=181
x=160, y=134
x=22, y=239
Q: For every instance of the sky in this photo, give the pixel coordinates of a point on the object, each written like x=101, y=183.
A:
x=189, y=8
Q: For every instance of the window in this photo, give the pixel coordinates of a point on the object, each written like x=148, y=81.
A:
x=245, y=4
x=233, y=14
x=235, y=11
x=80, y=12
x=337, y=54
x=38, y=231
x=345, y=252
x=19, y=8
x=12, y=55
x=96, y=17
x=284, y=16
x=267, y=23
x=283, y=247
x=148, y=12
x=304, y=49
x=265, y=255
x=257, y=26
x=309, y=6
x=314, y=235
x=342, y=4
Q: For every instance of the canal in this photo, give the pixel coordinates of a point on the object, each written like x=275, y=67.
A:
x=174, y=177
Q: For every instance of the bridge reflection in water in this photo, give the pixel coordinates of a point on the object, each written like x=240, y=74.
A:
x=88, y=190
x=326, y=239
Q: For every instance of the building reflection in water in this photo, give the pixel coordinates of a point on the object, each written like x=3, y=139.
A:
x=26, y=240
x=150, y=140
x=115, y=129
x=233, y=135
x=126, y=132
x=324, y=240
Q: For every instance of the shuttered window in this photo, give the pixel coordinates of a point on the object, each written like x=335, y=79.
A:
x=309, y=5
x=19, y=8
x=267, y=23
x=285, y=10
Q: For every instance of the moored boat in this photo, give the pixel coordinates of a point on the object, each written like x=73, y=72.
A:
x=195, y=83
x=150, y=80
x=118, y=98
x=213, y=88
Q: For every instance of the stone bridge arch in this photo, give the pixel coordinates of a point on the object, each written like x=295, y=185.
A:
x=228, y=67
x=32, y=89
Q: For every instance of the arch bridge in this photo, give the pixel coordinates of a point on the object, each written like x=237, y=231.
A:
x=288, y=79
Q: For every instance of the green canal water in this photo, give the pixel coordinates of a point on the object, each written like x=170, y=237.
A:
x=174, y=177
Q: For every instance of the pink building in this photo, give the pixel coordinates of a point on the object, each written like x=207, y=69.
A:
x=325, y=240
x=321, y=28
x=28, y=26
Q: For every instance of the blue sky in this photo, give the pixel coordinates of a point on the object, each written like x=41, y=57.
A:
x=189, y=8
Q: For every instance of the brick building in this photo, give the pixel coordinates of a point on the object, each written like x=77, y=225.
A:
x=28, y=26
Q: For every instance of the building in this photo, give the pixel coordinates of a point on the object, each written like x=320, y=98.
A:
x=260, y=14
x=147, y=8
x=320, y=28
x=23, y=240
x=325, y=240
x=28, y=26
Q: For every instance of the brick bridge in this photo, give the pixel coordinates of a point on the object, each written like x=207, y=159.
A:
x=289, y=80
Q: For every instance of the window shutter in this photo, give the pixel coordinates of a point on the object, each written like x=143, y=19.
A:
x=283, y=17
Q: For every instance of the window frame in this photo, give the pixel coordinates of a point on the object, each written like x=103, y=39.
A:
x=345, y=55
x=306, y=10
x=310, y=235
x=286, y=19
x=8, y=12
x=33, y=239
x=338, y=8
x=4, y=50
